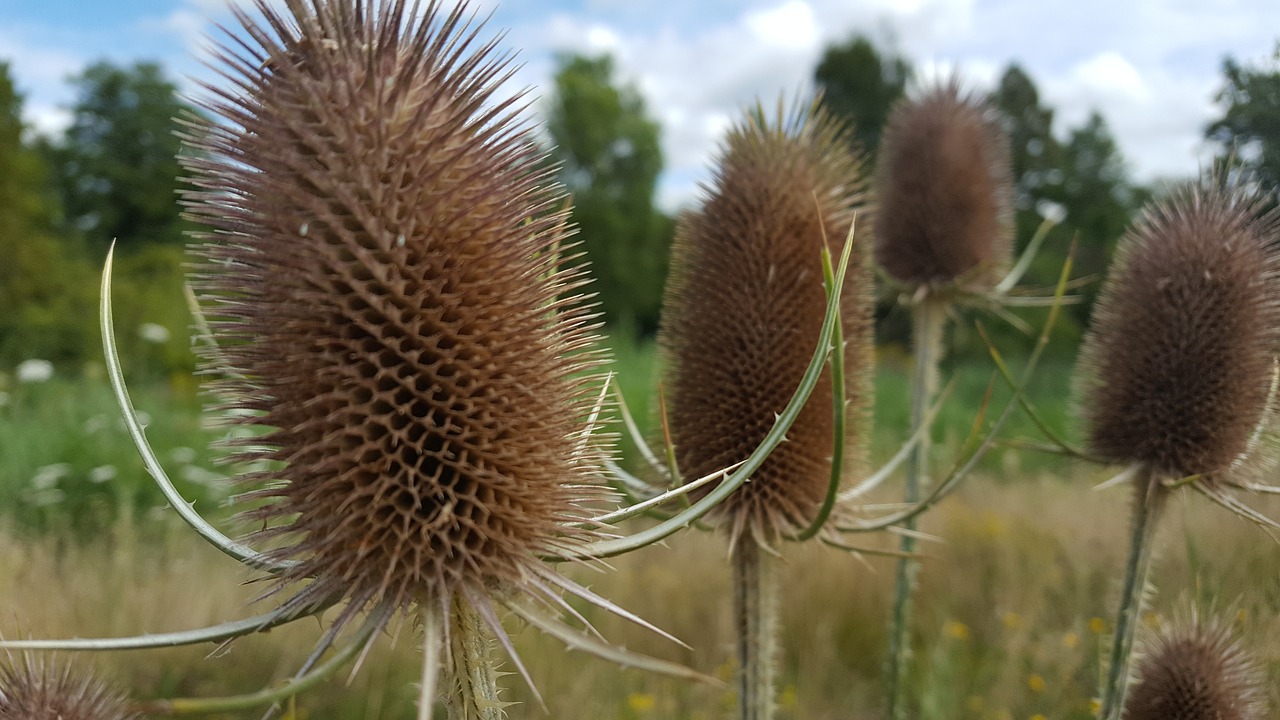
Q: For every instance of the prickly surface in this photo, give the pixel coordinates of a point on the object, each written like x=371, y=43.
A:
x=945, y=184
x=44, y=690
x=380, y=263
x=1177, y=370
x=744, y=307
x=1195, y=673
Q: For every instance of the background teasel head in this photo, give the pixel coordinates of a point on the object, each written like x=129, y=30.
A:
x=945, y=192
x=744, y=306
x=380, y=263
x=1195, y=670
x=44, y=690
x=1178, y=371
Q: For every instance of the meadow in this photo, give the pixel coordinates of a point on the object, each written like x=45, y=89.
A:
x=1017, y=593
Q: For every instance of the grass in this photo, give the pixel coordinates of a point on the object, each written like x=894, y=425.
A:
x=1012, y=615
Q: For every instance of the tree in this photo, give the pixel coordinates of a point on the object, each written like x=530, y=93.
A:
x=117, y=168
x=860, y=83
x=46, y=293
x=1085, y=177
x=610, y=160
x=1248, y=133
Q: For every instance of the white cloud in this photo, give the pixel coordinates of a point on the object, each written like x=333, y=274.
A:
x=789, y=25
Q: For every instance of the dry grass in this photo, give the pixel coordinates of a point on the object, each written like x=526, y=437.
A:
x=1010, y=614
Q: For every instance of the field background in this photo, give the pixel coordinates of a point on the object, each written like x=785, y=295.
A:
x=1015, y=604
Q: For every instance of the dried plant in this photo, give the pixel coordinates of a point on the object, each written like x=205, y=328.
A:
x=943, y=233
x=945, y=183
x=381, y=267
x=1178, y=374
x=743, y=308
x=1195, y=671
x=44, y=690
x=743, y=311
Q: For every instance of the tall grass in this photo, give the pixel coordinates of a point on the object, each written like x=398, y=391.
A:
x=1010, y=611
x=1010, y=614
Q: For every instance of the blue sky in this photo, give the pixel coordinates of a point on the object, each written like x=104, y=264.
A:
x=1150, y=66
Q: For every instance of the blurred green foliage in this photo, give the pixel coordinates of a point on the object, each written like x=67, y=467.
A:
x=1248, y=133
x=609, y=158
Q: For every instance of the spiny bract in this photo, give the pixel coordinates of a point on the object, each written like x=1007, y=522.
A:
x=382, y=268
x=945, y=186
x=1195, y=673
x=1178, y=369
x=44, y=690
x=744, y=308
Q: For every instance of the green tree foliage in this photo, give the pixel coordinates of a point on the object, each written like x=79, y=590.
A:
x=1083, y=177
x=46, y=293
x=610, y=159
x=117, y=167
x=860, y=83
x=1248, y=132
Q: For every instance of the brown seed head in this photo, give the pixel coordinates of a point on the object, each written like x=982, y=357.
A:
x=39, y=690
x=945, y=186
x=1178, y=366
x=1195, y=673
x=380, y=263
x=744, y=308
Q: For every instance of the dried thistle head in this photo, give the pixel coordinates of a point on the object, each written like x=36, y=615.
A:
x=744, y=307
x=42, y=690
x=1179, y=366
x=1195, y=671
x=945, y=190
x=381, y=263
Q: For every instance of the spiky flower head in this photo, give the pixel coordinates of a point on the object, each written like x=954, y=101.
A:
x=381, y=265
x=1178, y=368
x=945, y=190
x=43, y=690
x=1195, y=671
x=744, y=307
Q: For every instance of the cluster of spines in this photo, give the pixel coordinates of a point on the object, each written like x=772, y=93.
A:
x=380, y=263
x=744, y=307
x=945, y=190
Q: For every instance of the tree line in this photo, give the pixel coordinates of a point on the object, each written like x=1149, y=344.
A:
x=113, y=175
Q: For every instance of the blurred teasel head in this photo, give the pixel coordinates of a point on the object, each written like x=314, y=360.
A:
x=745, y=305
x=380, y=261
x=44, y=690
x=1178, y=370
x=1194, y=671
x=944, y=181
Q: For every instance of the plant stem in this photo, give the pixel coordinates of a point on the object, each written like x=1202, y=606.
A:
x=1146, y=507
x=432, y=646
x=928, y=319
x=474, y=667
x=755, y=608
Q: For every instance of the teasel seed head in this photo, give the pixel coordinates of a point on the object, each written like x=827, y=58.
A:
x=944, y=181
x=380, y=262
x=1194, y=671
x=1178, y=370
x=44, y=690
x=744, y=307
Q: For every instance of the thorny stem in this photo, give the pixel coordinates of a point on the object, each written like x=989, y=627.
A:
x=1146, y=508
x=928, y=318
x=755, y=609
x=474, y=667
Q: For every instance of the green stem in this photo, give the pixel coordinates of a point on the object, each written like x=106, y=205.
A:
x=1146, y=508
x=928, y=318
x=432, y=645
x=474, y=667
x=755, y=608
